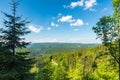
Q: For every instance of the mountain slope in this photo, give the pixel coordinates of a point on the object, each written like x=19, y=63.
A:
x=50, y=48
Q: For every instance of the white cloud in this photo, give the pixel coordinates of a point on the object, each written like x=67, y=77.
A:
x=89, y=4
x=67, y=18
x=86, y=4
x=53, y=24
x=75, y=4
x=34, y=28
x=78, y=22
x=72, y=22
x=48, y=28
x=76, y=30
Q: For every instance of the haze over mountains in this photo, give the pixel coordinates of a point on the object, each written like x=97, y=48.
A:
x=50, y=48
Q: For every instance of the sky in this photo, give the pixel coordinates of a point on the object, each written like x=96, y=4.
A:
x=69, y=21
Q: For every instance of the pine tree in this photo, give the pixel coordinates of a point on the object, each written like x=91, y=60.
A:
x=15, y=28
x=14, y=65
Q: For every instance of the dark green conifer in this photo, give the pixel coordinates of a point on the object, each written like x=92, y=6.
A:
x=14, y=65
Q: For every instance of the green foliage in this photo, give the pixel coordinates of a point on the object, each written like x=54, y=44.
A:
x=104, y=29
x=89, y=76
x=85, y=64
x=14, y=65
x=7, y=67
x=108, y=30
x=59, y=73
x=14, y=29
x=45, y=69
x=116, y=15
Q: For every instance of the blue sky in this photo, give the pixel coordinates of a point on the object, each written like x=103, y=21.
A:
x=60, y=20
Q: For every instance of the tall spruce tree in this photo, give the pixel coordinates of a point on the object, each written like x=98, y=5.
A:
x=14, y=65
x=14, y=29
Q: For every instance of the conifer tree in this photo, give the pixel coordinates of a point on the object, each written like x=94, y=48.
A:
x=14, y=65
x=15, y=28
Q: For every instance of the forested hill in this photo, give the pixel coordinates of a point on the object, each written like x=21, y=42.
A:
x=50, y=48
x=85, y=64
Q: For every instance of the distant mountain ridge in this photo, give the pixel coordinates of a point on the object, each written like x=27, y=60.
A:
x=50, y=48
